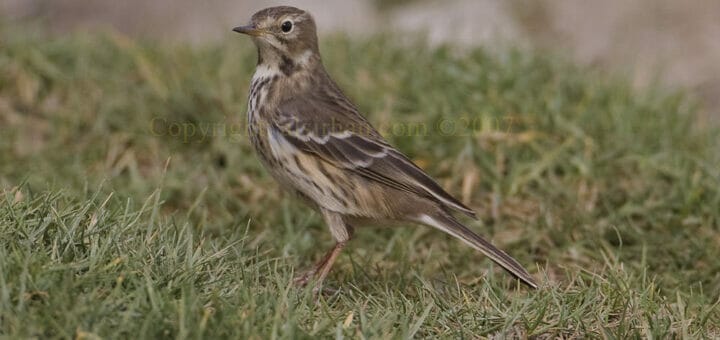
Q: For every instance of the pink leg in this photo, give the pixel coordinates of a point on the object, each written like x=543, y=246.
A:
x=322, y=268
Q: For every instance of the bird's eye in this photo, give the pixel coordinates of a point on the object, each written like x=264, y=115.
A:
x=286, y=26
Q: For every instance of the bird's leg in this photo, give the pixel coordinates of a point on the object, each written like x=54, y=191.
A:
x=322, y=268
x=342, y=233
x=329, y=260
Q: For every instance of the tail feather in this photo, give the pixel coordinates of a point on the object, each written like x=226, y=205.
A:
x=450, y=225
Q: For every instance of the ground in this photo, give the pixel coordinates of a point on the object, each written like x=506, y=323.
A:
x=132, y=205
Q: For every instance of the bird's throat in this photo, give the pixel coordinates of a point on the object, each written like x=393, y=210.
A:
x=287, y=63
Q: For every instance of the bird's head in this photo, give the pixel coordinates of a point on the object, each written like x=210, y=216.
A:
x=283, y=34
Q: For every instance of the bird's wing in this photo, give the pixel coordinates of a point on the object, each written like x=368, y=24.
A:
x=337, y=133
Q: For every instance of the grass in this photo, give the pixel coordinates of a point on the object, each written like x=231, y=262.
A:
x=132, y=205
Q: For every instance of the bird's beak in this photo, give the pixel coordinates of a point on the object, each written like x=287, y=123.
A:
x=248, y=29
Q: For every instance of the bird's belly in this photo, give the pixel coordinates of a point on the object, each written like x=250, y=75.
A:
x=329, y=187
x=312, y=177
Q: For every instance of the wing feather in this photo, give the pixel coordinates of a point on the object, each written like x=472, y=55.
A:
x=347, y=140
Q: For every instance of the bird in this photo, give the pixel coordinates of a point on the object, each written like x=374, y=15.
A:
x=314, y=142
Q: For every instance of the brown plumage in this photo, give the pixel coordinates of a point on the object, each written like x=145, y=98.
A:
x=314, y=142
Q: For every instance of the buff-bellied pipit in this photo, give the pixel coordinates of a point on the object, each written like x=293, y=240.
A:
x=314, y=142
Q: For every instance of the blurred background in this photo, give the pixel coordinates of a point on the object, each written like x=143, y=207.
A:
x=674, y=43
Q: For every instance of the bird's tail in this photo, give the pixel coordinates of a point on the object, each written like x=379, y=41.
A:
x=450, y=225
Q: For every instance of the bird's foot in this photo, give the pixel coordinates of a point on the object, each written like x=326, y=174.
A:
x=304, y=278
x=308, y=277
